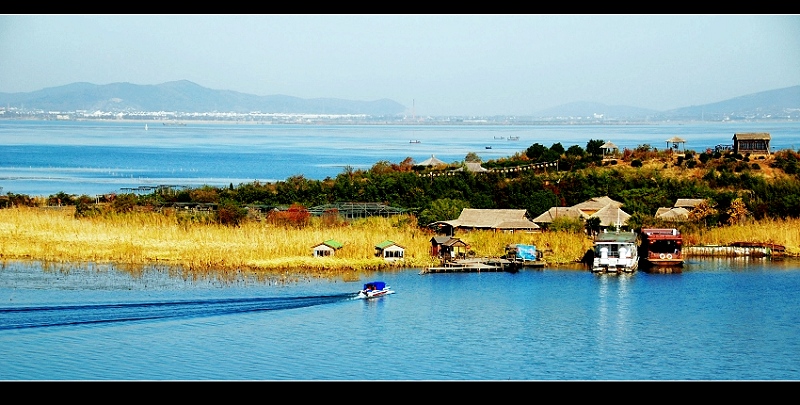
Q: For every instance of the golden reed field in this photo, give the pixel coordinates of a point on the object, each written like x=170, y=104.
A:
x=54, y=235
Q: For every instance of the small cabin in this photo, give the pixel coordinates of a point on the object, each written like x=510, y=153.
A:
x=327, y=248
x=448, y=248
x=390, y=251
x=754, y=143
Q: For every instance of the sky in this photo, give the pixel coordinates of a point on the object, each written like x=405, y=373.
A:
x=437, y=64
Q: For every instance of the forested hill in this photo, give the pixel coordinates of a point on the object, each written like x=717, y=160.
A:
x=185, y=96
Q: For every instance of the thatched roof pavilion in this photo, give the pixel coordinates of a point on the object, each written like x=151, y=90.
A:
x=677, y=143
x=609, y=148
x=432, y=161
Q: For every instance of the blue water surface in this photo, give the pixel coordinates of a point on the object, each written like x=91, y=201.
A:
x=41, y=158
x=720, y=319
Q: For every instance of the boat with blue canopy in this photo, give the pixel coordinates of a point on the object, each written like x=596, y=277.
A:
x=375, y=289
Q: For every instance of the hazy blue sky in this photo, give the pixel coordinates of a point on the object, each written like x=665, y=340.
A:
x=439, y=64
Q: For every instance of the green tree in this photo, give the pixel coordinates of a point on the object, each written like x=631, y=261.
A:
x=535, y=151
x=575, y=150
x=472, y=157
x=443, y=209
x=557, y=148
x=594, y=147
x=592, y=225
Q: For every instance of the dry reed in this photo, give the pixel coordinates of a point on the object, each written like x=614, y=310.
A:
x=147, y=238
x=781, y=231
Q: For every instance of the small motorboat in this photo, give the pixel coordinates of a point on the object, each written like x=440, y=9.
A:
x=375, y=289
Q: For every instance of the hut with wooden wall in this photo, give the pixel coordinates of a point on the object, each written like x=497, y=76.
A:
x=448, y=248
x=753, y=143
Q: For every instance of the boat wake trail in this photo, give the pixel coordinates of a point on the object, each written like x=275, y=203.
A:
x=71, y=315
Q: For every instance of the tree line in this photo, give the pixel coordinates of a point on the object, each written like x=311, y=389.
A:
x=732, y=184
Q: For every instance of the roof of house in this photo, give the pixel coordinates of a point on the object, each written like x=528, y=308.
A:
x=596, y=203
x=493, y=219
x=385, y=244
x=448, y=241
x=688, y=202
x=472, y=167
x=611, y=215
x=432, y=161
x=662, y=210
x=559, y=212
x=331, y=243
x=674, y=214
x=751, y=135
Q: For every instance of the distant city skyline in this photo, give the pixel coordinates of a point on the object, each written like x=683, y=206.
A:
x=439, y=64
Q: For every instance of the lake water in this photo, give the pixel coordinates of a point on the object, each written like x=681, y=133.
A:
x=720, y=319
x=41, y=158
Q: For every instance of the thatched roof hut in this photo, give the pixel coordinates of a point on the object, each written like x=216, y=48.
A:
x=474, y=167
x=611, y=215
x=595, y=204
x=495, y=219
x=677, y=214
x=751, y=143
x=688, y=203
x=559, y=212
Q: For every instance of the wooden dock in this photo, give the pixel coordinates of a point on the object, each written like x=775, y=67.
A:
x=477, y=265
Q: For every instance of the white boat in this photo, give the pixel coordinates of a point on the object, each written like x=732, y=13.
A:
x=375, y=289
x=615, y=252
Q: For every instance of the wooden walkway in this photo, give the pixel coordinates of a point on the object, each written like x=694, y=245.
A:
x=478, y=265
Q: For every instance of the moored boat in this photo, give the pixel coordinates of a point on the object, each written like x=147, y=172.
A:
x=615, y=252
x=375, y=289
x=661, y=247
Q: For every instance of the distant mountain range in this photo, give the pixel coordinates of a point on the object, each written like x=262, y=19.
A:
x=186, y=96
x=773, y=104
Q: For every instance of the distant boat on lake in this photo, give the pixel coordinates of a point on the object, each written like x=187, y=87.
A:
x=414, y=141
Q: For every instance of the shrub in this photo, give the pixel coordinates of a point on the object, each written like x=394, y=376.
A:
x=61, y=198
x=563, y=224
x=85, y=208
x=230, y=213
x=636, y=163
x=123, y=202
